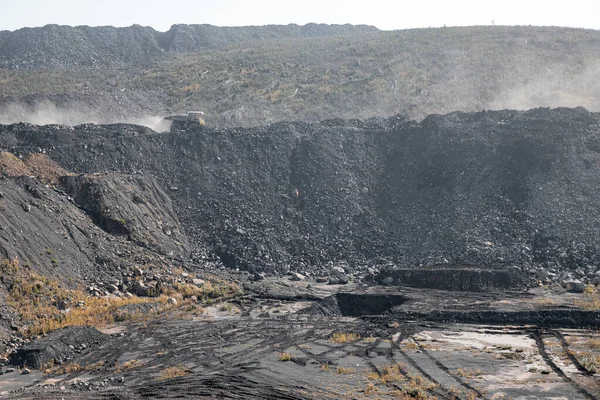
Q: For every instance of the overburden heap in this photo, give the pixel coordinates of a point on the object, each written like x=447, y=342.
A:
x=495, y=188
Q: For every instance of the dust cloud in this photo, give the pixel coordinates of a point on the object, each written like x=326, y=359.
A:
x=47, y=113
x=554, y=86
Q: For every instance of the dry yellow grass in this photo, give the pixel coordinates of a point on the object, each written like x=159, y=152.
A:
x=345, y=371
x=417, y=388
x=465, y=373
x=325, y=367
x=370, y=389
x=35, y=297
x=44, y=168
x=344, y=337
x=589, y=361
x=590, y=300
x=411, y=345
x=172, y=372
x=593, y=343
x=13, y=166
x=207, y=293
x=71, y=368
x=391, y=373
x=126, y=366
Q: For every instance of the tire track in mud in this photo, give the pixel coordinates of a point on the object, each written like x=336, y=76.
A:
x=572, y=358
x=389, y=356
x=215, y=386
x=539, y=340
x=440, y=390
x=441, y=366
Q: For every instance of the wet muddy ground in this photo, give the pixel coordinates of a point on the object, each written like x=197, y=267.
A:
x=278, y=349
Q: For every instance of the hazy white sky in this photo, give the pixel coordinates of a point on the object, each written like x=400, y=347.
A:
x=384, y=14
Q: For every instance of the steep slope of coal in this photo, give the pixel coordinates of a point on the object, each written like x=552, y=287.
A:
x=488, y=188
x=42, y=228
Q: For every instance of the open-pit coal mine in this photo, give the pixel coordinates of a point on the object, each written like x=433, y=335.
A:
x=453, y=258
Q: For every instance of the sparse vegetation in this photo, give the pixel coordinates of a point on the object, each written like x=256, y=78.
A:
x=417, y=71
x=466, y=373
x=228, y=307
x=411, y=345
x=511, y=355
x=416, y=388
x=12, y=166
x=593, y=343
x=344, y=337
x=285, y=357
x=590, y=300
x=589, y=361
x=345, y=371
x=70, y=368
x=173, y=372
x=37, y=300
x=370, y=389
x=391, y=373
x=218, y=289
x=128, y=365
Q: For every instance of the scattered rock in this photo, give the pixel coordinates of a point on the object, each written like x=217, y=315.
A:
x=198, y=282
x=295, y=276
x=140, y=288
x=172, y=301
x=575, y=286
x=388, y=280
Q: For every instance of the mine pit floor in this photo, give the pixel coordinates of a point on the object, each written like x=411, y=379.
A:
x=282, y=349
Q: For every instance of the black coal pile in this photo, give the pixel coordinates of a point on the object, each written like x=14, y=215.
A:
x=502, y=188
x=54, y=46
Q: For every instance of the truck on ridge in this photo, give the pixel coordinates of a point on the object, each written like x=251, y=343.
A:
x=190, y=120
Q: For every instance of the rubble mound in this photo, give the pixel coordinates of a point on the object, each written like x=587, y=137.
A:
x=56, y=46
x=494, y=188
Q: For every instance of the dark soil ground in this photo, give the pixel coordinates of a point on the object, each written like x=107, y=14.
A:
x=242, y=351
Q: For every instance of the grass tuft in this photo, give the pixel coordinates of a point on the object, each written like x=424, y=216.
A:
x=344, y=337
x=173, y=372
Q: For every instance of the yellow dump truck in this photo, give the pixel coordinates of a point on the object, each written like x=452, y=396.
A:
x=183, y=122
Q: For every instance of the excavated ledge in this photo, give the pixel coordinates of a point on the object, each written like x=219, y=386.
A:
x=58, y=347
x=561, y=318
x=465, y=279
x=355, y=305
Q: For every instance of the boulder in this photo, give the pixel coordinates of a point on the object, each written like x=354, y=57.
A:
x=198, y=282
x=140, y=288
x=575, y=286
x=388, y=280
x=295, y=276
